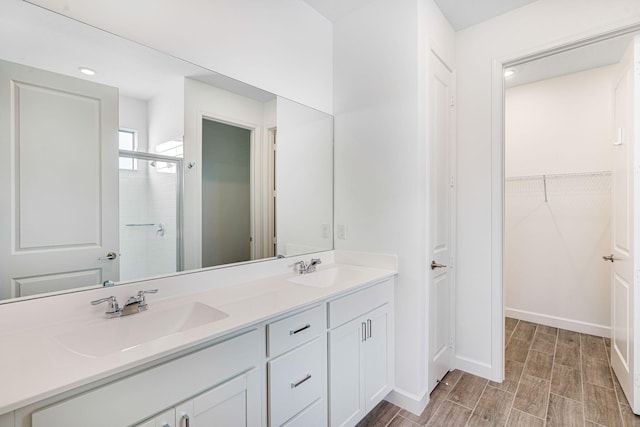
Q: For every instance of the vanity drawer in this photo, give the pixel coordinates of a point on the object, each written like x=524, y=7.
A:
x=296, y=380
x=313, y=416
x=292, y=331
x=351, y=306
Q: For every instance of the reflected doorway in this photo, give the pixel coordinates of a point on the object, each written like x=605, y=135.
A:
x=226, y=193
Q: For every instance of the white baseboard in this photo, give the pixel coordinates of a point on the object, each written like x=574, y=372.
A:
x=560, y=322
x=474, y=367
x=411, y=402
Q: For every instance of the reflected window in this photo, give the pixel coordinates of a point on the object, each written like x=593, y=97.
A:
x=173, y=148
x=127, y=140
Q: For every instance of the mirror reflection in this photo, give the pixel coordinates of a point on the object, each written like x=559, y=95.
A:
x=120, y=162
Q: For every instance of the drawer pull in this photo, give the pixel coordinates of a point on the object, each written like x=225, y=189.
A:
x=186, y=420
x=293, y=332
x=305, y=379
x=369, y=328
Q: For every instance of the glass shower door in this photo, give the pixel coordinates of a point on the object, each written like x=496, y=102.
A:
x=150, y=222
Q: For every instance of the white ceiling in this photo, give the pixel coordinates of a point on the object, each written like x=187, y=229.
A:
x=465, y=13
x=599, y=54
x=43, y=39
x=460, y=13
x=49, y=41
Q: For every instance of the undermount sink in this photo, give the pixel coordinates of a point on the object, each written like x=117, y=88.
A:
x=327, y=277
x=124, y=333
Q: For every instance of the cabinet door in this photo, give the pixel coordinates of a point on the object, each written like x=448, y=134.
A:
x=235, y=403
x=345, y=379
x=376, y=363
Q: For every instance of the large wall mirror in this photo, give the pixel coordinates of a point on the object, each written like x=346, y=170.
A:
x=120, y=162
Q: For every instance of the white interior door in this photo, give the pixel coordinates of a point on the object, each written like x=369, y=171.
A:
x=58, y=181
x=623, y=239
x=440, y=228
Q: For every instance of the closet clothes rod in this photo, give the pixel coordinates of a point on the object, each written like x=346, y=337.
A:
x=557, y=175
x=545, y=177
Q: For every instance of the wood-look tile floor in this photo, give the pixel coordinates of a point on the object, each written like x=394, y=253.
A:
x=553, y=377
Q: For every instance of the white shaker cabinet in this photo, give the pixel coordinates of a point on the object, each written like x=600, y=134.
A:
x=360, y=354
x=229, y=404
x=218, y=382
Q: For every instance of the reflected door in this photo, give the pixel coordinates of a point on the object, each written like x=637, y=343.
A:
x=58, y=182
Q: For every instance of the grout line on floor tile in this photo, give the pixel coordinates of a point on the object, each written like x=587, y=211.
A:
x=473, y=411
x=584, y=401
x=513, y=401
x=553, y=363
x=615, y=389
x=392, y=418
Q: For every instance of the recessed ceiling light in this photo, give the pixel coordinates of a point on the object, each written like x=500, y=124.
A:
x=510, y=72
x=87, y=71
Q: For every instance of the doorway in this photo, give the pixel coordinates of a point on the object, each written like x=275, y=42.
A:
x=623, y=334
x=557, y=199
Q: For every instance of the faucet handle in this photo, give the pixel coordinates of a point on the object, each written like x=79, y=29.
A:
x=142, y=305
x=113, y=304
x=311, y=267
x=300, y=266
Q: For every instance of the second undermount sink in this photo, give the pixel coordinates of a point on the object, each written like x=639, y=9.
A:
x=124, y=333
x=328, y=277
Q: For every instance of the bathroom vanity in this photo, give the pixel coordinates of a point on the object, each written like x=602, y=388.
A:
x=250, y=345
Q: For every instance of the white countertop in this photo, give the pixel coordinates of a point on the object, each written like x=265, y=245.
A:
x=34, y=365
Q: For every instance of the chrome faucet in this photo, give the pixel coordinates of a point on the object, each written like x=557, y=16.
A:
x=137, y=303
x=304, y=268
x=134, y=304
x=114, y=309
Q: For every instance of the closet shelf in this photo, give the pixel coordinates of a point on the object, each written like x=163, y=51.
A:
x=562, y=183
x=558, y=175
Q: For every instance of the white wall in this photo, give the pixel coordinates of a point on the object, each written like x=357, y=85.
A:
x=304, y=179
x=282, y=46
x=133, y=116
x=531, y=28
x=554, y=274
x=201, y=100
x=166, y=115
x=560, y=125
x=381, y=53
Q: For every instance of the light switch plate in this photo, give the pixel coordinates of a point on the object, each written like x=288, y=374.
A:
x=341, y=232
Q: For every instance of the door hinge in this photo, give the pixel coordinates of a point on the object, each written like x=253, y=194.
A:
x=452, y=101
x=451, y=342
x=452, y=181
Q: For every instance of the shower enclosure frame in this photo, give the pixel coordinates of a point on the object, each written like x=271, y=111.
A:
x=178, y=161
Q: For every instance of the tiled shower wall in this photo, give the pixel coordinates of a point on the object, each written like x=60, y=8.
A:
x=147, y=197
